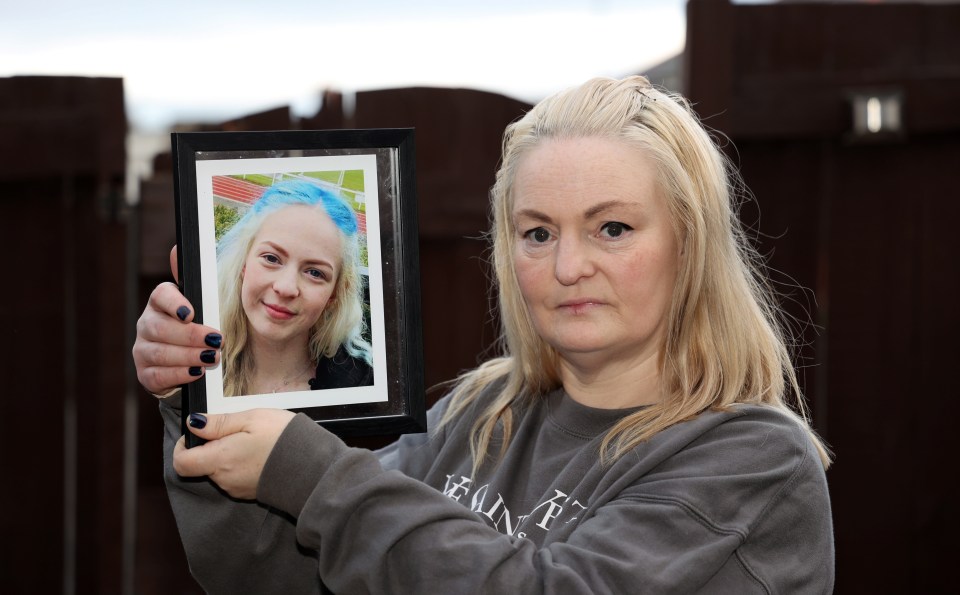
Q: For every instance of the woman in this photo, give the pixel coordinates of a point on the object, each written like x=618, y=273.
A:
x=291, y=295
x=635, y=435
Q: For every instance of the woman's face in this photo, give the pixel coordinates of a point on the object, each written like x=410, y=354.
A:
x=595, y=251
x=290, y=273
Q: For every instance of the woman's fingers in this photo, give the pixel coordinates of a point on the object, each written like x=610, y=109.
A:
x=167, y=319
x=175, y=356
x=170, y=349
x=237, y=448
x=160, y=381
x=160, y=328
x=162, y=367
x=168, y=299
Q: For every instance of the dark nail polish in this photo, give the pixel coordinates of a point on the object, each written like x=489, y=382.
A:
x=197, y=420
x=208, y=356
x=213, y=340
x=195, y=371
x=183, y=312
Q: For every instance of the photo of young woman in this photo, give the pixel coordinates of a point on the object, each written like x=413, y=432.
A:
x=291, y=295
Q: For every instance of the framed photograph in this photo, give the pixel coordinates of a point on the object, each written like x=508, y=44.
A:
x=301, y=247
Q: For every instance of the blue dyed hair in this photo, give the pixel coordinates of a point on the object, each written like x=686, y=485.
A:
x=300, y=192
x=341, y=324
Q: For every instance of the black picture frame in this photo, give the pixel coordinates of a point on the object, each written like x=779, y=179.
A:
x=394, y=402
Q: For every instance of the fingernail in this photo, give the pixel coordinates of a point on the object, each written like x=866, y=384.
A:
x=197, y=420
x=208, y=356
x=195, y=371
x=213, y=340
x=183, y=312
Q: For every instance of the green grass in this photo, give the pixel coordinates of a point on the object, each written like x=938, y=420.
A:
x=352, y=178
x=258, y=179
x=327, y=176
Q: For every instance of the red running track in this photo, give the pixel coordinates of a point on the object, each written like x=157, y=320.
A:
x=238, y=190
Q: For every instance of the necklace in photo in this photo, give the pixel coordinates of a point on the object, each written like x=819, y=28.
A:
x=286, y=382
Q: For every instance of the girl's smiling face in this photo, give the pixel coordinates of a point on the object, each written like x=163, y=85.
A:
x=595, y=252
x=290, y=273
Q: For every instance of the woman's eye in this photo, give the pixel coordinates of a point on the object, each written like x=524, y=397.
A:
x=317, y=274
x=538, y=235
x=614, y=229
x=271, y=258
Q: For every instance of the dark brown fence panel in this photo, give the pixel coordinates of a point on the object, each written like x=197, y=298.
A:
x=867, y=224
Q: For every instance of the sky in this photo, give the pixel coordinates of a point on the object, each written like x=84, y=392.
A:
x=196, y=60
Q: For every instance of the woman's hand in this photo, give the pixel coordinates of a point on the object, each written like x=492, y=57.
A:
x=237, y=448
x=171, y=349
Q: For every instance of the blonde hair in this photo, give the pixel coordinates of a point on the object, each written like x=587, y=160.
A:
x=341, y=323
x=725, y=342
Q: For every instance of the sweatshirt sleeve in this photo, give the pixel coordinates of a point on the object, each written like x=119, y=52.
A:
x=381, y=531
x=233, y=546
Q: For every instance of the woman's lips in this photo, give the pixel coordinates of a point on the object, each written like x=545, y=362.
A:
x=278, y=312
x=580, y=306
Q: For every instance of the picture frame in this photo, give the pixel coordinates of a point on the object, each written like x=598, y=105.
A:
x=371, y=385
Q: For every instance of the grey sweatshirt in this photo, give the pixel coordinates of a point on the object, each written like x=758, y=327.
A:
x=731, y=502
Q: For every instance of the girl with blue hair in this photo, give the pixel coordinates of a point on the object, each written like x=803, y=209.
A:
x=291, y=295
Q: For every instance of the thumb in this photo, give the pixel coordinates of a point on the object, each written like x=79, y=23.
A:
x=205, y=459
x=174, y=268
x=193, y=462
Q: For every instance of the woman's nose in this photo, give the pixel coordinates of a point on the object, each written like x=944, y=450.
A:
x=285, y=284
x=573, y=260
